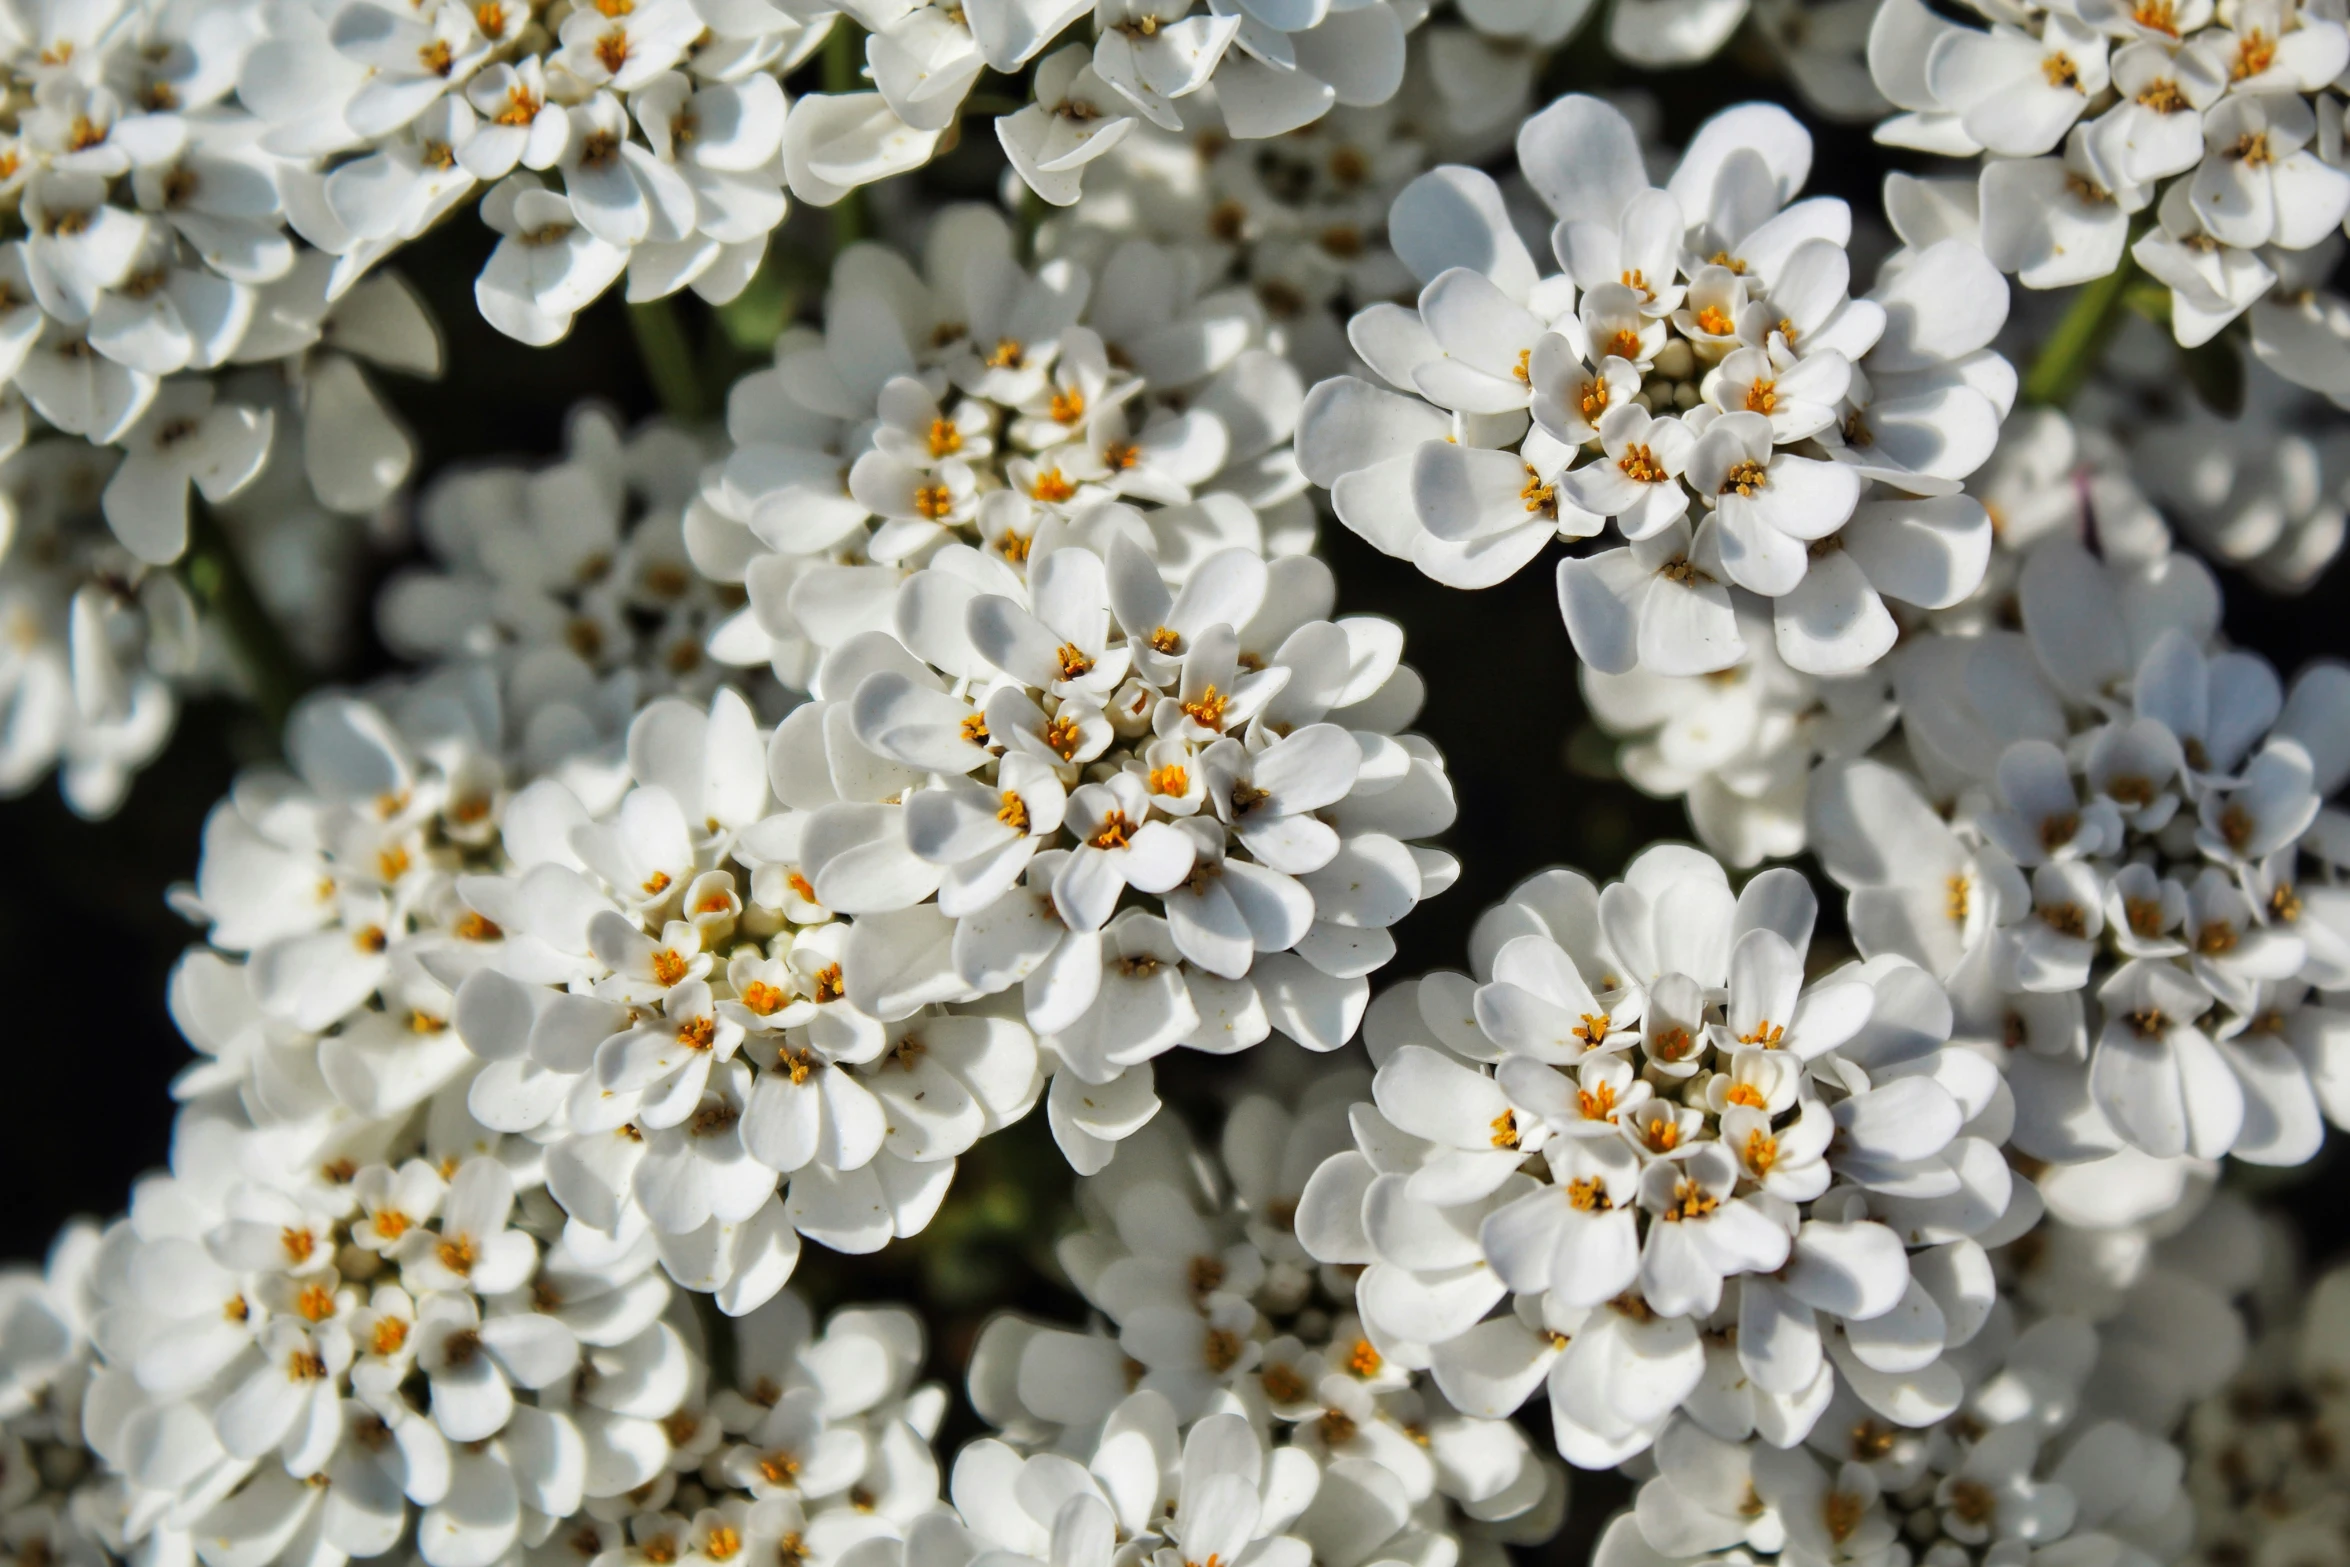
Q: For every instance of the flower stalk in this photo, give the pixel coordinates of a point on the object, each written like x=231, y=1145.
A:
x=668, y=358
x=2078, y=342
x=844, y=55
x=275, y=675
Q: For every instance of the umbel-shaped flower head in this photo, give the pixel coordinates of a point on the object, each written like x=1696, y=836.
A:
x=1637, y=1126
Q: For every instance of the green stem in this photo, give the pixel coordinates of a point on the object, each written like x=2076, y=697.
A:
x=844, y=66
x=668, y=358
x=717, y=1340
x=2073, y=349
x=273, y=673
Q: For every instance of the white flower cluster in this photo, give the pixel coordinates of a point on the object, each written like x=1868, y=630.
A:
x=48, y=1480
x=1268, y=67
x=1221, y=1350
x=318, y=1365
x=328, y=1333
x=1699, y=374
x=2266, y=1455
x=97, y=640
x=662, y=120
x=2119, y=894
x=671, y=143
x=2029, y=1463
x=401, y=920
x=1301, y=219
x=1739, y=744
x=1818, y=44
x=1703, y=1186
x=2214, y=116
x=154, y=208
x=2265, y=491
x=570, y=571
x=103, y=640
x=975, y=408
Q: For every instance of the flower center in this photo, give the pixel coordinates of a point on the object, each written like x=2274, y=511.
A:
x=2060, y=71
x=1973, y=1502
x=2066, y=919
x=1207, y=709
x=2255, y=53
x=1745, y=478
x=1640, y=465
x=1539, y=497
x=1690, y=1201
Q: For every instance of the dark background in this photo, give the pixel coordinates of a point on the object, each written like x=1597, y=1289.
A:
x=87, y=940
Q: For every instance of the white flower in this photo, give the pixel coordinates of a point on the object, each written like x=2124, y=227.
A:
x=183, y=439
x=548, y=265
